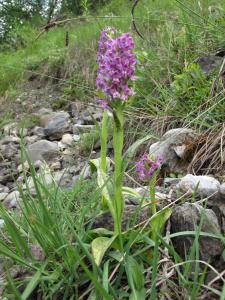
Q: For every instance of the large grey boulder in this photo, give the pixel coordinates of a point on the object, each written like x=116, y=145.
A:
x=55, y=124
x=42, y=150
x=176, y=147
x=187, y=217
x=202, y=186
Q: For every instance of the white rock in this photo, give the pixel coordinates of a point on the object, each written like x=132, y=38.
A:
x=176, y=147
x=44, y=177
x=23, y=167
x=4, y=189
x=76, y=137
x=62, y=146
x=11, y=129
x=67, y=139
x=56, y=165
x=204, y=186
x=12, y=199
x=3, y=196
x=180, y=150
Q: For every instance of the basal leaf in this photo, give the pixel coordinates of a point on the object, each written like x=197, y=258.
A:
x=99, y=246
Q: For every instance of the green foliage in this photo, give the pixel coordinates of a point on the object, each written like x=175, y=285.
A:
x=88, y=141
x=79, y=263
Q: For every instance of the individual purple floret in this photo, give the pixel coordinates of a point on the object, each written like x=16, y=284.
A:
x=146, y=166
x=116, y=65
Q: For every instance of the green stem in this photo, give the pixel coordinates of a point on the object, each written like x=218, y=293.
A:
x=152, y=192
x=104, y=136
x=118, y=173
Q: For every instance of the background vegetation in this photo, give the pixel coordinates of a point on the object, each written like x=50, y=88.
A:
x=50, y=241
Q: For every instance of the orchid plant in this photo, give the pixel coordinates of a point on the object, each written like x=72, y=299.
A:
x=115, y=78
x=148, y=168
x=116, y=70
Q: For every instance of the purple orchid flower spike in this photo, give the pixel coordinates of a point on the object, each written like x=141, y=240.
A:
x=116, y=65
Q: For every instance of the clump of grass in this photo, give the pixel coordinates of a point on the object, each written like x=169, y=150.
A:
x=58, y=221
x=87, y=141
x=50, y=241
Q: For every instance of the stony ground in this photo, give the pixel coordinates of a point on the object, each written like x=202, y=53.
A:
x=53, y=144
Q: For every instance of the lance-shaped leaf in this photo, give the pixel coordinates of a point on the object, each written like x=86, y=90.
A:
x=99, y=246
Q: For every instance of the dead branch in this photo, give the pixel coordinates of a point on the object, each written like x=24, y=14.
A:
x=133, y=19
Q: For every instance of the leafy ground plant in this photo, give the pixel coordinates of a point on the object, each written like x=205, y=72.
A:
x=50, y=250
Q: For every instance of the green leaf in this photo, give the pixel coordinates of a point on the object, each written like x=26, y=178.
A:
x=99, y=246
x=134, y=268
x=105, y=276
x=95, y=164
x=138, y=295
x=136, y=279
x=159, y=220
x=100, y=232
x=32, y=285
x=103, y=182
x=132, y=150
x=131, y=192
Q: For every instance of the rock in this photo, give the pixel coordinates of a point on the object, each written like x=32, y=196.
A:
x=185, y=218
x=4, y=189
x=87, y=119
x=85, y=172
x=12, y=199
x=78, y=121
x=31, y=139
x=176, y=147
x=171, y=182
x=202, y=186
x=76, y=137
x=11, y=129
x=56, y=165
x=67, y=139
x=7, y=174
x=62, y=178
x=43, y=111
x=8, y=150
x=209, y=63
x=23, y=167
x=9, y=139
x=218, y=206
x=37, y=252
x=38, y=131
x=67, y=152
x=79, y=129
x=222, y=191
x=162, y=196
x=98, y=116
x=105, y=220
x=3, y=196
x=55, y=124
x=42, y=150
x=44, y=177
